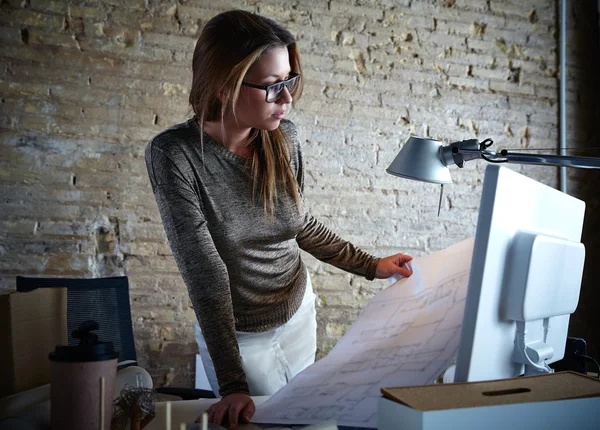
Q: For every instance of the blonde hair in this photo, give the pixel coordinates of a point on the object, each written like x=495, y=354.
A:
x=228, y=46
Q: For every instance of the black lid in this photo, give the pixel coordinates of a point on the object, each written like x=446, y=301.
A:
x=89, y=348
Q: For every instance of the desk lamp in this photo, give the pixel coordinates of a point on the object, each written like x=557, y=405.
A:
x=427, y=160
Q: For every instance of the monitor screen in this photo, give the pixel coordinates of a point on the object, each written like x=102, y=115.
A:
x=512, y=207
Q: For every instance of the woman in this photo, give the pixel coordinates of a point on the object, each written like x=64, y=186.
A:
x=228, y=184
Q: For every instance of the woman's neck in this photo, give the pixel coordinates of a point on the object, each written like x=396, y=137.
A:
x=231, y=136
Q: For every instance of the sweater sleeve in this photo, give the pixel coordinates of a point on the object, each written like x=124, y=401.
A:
x=322, y=243
x=200, y=265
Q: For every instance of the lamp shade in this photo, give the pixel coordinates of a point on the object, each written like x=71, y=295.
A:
x=420, y=159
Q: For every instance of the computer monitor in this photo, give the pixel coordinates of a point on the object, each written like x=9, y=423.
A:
x=526, y=274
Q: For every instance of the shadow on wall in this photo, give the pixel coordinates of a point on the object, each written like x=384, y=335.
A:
x=585, y=184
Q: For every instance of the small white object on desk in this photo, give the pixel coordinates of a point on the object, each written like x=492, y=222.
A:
x=102, y=389
x=168, y=416
x=134, y=376
x=448, y=376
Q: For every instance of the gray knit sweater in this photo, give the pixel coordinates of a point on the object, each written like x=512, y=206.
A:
x=242, y=269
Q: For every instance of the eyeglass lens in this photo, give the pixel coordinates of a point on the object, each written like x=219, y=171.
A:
x=274, y=92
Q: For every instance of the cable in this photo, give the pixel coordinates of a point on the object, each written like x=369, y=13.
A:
x=587, y=357
x=483, y=145
x=546, y=328
x=531, y=368
x=489, y=160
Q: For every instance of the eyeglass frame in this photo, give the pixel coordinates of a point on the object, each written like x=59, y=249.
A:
x=285, y=83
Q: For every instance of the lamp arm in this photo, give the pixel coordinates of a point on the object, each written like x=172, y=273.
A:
x=459, y=152
x=551, y=160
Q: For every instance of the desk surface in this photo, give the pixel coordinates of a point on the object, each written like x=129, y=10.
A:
x=186, y=411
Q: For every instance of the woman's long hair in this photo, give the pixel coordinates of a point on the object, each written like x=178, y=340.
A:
x=228, y=46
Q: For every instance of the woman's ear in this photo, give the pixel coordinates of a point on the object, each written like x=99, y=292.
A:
x=221, y=96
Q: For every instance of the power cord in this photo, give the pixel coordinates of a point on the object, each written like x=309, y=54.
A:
x=483, y=146
x=531, y=367
x=593, y=360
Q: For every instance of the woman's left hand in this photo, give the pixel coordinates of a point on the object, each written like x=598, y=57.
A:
x=393, y=265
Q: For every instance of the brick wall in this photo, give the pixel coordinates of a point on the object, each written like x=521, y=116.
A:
x=85, y=85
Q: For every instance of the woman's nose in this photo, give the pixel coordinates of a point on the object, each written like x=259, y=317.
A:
x=286, y=96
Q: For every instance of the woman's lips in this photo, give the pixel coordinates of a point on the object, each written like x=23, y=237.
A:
x=278, y=115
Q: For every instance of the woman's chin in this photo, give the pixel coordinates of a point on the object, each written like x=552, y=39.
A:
x=271, y=125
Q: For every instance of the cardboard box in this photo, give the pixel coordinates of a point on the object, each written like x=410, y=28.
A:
x=31, y=325
x=555, y=401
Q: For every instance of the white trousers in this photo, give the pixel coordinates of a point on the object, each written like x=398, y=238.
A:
x=271, y=359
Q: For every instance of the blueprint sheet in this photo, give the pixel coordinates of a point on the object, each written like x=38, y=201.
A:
x=407, y=335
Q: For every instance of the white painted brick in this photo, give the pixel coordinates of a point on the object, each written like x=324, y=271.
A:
x=345, y=8
x=319, y=63
x=447, y=40
x=470, y=83
x=507, y=87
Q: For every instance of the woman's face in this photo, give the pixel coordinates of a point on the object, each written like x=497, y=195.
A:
x=252, y=109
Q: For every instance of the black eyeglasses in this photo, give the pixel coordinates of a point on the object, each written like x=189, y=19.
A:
x=274, y=90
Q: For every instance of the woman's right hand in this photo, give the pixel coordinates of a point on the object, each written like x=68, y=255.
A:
x=232, y=409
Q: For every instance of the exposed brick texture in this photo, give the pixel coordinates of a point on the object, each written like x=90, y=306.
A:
x=85, y=84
